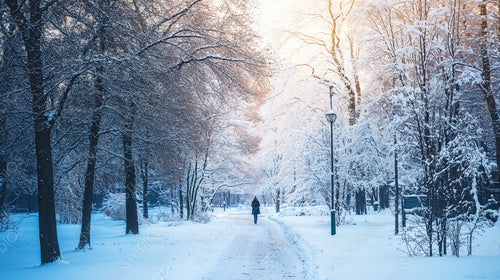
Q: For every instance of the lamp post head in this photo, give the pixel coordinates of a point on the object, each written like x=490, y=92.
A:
x=331, y=116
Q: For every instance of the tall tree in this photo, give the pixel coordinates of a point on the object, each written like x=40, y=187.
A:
x=132, y=225
x=99, y=94
x=339, y=62
x=31, y=28
x=485, y=84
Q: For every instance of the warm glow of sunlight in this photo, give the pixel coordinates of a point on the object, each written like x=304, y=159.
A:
x=298, y=32
x=276, y=20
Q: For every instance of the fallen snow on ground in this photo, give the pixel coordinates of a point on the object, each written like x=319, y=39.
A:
x=232, y=247
x=179, y=250
x=368, y=249
x=259, y=251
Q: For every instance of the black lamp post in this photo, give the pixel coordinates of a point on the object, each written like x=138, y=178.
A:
x=331, y=117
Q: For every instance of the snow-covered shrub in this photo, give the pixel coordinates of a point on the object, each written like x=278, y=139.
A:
x=415, y=236
x=161, y=214
x=203, y=217
x=319, y=210
x=423, y=238
x=114, y=207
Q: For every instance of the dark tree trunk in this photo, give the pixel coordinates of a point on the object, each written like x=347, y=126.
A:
x=188, y=192
x=181, y=203
x=31, y=29
x=278, y=201
x=90, y=173
x=442, y=238
x=172, y=200
x=445, y=242
x=348, y=197
x=6, y=81
x=145, y=189
x=3, y=184
x=132, y=223
x=93, y=141
x=384, y=197
x=360, y=202
x=430, y=219
x=49, y=245
x=3, y=164
x=188, y=203
x=486, y=84
x=396, y=195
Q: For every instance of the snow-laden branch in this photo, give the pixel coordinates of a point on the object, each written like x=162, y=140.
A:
x=175, y=16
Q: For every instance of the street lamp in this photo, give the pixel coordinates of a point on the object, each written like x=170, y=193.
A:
x=331, y=117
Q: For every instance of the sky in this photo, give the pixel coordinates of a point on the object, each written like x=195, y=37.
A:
x=275, y=20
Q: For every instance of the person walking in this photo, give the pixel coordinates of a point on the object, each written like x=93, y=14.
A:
x=255, y=209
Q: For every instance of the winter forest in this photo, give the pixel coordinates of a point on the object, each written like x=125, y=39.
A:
x=126, y=125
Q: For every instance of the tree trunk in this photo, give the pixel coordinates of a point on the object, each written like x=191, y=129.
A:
x=224, y=195
x=278, y=201
x=430, y=219
x=188, y=203
x=195, y=196
x=93, y=139
x=486, y=84
x=172, y=200
x=360, y=202
x=3, y=186
x=188, y=192
x=91, y=162
x=181, y=203
x=49, y=245
x=357, y=84
x=132, y=225
x=145, y=189
x=31, y=30
x=396, y=195
x=384, y=197
x=3, y=164
x=445, y=233
x=469, y=243
x=5, y=86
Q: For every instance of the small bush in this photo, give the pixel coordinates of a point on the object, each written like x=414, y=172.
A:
x=203, y=217
x=114, y=207
x=319, y=210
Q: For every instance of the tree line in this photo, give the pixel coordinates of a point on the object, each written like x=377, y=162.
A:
x=99, y=95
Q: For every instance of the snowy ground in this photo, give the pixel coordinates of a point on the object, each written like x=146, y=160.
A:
x=232, y=247
x=259, y=251
x=370, y=250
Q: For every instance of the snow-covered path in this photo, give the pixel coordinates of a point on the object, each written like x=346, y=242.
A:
x=259, y=251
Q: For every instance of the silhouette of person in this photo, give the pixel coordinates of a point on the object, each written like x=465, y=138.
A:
x=255, y=209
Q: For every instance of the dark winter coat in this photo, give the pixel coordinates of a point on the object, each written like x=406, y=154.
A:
x=255, y=207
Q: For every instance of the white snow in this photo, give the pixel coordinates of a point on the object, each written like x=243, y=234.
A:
x=368, y=249
x=232, y=247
